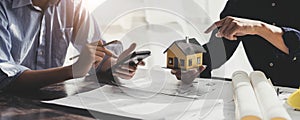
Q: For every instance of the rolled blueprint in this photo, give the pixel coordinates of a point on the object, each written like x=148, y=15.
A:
x=270, y=104
x=247, y=107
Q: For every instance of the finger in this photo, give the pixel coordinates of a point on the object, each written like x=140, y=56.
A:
x=196, y=74
x=177, y=73
x=131, y=48
x=100, y=48
x=100, y=43
x=95, y=43
x=214, y=26
x=229, y=30
x=225, y=26
x=178, y=76
x=98, y=60
x=239, y=34
x=127, y=51
x=202, y=68
x=100, y=54
x=127, y=77
x=109, y=53
x=125, y=72
x=173, y=72
x=129, y=68
x=141, y=63
x=106, y=51
x=231, y=35
x=190, y=71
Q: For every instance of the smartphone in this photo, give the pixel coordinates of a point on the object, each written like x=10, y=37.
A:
x=133, y=58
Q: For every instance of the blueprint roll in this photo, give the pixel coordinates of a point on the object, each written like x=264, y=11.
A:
x=270, y=104
x=247, y=107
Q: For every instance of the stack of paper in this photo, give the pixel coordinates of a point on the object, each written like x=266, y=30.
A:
x=255, y=98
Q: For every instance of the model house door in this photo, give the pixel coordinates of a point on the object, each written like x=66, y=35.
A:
x=176, y=62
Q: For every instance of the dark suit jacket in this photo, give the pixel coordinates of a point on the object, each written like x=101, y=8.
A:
x=283, y=69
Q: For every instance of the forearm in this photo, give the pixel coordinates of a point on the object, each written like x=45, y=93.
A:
x=33, y=79
x=273, y=34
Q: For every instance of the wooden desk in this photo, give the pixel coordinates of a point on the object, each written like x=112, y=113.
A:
x=27, y=106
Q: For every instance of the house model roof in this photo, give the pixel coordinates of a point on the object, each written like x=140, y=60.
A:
x=192, y=47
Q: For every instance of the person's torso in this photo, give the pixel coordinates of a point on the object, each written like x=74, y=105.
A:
x=40, y=39
x=281, y=68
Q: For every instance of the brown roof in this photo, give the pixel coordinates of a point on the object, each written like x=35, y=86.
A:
x=190, y=48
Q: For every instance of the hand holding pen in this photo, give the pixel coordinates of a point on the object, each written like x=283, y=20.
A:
x=100, y=44
x=91, y=54
x=101, y=52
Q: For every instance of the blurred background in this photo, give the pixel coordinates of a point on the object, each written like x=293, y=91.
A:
x=155, y=24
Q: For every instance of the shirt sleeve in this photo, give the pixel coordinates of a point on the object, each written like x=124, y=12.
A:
x=9, y=70
x=291, y=39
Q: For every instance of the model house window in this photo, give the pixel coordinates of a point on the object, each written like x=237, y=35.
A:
x=181, y=62
x=198, y=60
x=170, y=61
x=190, y=62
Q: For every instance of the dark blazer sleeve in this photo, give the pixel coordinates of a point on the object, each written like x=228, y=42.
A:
x=291, y=39
x=219, y=50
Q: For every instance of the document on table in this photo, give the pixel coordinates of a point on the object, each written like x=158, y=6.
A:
x=159, y=80
x=113, y=100
x=163, y=99
x=157, y=95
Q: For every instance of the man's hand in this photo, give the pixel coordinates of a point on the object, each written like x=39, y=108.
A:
x=91, y=54
x=101, y=51
x=127, y=70
x=232, y=27
x=189, y=75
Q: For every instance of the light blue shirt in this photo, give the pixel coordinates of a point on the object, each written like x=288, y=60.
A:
x=34, y=39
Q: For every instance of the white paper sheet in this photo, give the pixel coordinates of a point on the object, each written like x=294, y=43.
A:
x=160, y=99
x=159, y=80
x=130, y=102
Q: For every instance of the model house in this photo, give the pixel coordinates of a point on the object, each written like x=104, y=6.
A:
x=184, y=54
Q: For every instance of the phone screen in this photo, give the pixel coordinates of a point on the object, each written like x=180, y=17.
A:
x=131, y=59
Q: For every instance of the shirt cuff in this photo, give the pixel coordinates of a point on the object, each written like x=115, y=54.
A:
x=12, y=69
x=9, y=72
x=291, y=39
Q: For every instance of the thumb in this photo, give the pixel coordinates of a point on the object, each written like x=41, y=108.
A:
x=202, y=68
x=127, y=51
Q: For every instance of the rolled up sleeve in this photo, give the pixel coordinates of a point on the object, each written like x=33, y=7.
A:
x=9, y=70
x=291, y=39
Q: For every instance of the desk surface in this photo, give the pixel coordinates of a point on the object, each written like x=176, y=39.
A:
x=27, y=106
